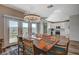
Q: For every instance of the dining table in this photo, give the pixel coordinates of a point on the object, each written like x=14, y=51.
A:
x=44, y=43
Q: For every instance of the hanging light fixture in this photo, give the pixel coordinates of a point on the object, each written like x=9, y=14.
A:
x=32, y=17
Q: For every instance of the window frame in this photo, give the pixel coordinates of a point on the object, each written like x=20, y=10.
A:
x=22, y=27
x=36, y=26
x=12, y=19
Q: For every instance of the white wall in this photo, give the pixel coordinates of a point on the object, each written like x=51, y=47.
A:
x=74, y=27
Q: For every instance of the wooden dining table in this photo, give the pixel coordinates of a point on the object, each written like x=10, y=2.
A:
x=45, y=43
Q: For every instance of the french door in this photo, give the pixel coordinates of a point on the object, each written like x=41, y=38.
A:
x=13, y=31
x=25, y=29
x=34, y=28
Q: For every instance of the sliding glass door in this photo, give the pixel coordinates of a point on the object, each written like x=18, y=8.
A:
x=13, y=31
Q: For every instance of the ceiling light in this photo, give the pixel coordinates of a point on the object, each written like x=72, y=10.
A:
x=32, y=17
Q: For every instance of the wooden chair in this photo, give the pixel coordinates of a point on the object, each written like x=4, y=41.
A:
x=64, y=47
x=20, y=46
x=60, y=49
x=31, y=49
x=28, y=47
x=38, y=35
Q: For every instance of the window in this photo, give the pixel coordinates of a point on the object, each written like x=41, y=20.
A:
x=34, y=28
x=25, y=29
x=13, y=31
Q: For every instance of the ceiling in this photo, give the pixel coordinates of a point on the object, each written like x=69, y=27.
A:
x=39, y=9
x=58, y=12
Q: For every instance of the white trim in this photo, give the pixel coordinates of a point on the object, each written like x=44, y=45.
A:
x=13, y=17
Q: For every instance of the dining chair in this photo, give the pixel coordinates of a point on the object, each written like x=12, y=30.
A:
x=63, y=49
x=31, y=49
x=59, y=49
x=20, y=46
x=28, y=47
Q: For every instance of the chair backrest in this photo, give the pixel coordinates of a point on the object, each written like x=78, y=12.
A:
x=28, y=47
x=67, y=41
x=65, y=47
x=20, y=45
x=38, y=35
x=61, y=48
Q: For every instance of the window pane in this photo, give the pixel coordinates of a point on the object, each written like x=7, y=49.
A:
x=34, y=28
x=13, y=31
x=25, y=29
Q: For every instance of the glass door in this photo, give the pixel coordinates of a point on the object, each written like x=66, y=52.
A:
x=34, y=28
x=25, y=29
x=13, y=31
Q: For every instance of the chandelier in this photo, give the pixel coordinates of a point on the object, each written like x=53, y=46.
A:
x=32, y=17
